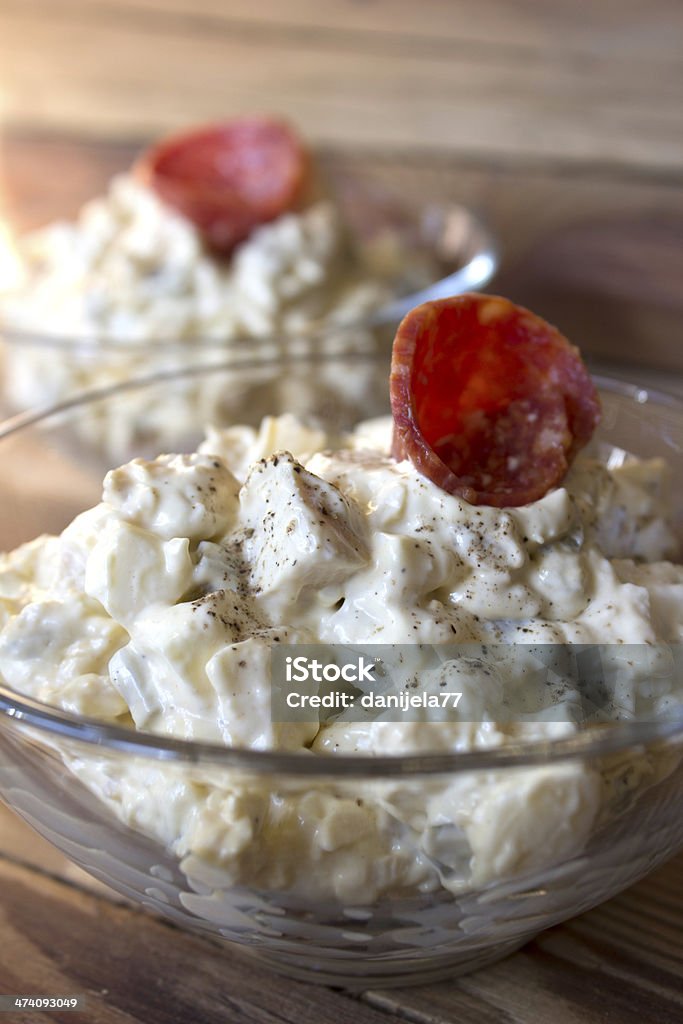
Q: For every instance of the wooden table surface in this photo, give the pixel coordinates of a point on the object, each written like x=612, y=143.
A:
x=562, y=124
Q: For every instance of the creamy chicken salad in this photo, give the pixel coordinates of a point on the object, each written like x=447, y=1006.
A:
x=158, y=609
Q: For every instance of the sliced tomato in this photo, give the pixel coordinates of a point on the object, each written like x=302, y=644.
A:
x=489, y=401
x=228, y=178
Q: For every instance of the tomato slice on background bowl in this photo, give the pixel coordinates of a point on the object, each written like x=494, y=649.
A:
x=228, y=177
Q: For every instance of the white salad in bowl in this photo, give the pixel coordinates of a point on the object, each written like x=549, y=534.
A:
x=478, y=538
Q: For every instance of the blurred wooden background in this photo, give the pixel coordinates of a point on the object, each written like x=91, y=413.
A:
x=545, y=81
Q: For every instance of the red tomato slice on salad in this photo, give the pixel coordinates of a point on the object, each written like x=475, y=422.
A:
x=489, y=401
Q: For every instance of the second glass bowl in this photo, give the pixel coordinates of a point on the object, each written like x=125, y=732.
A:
x=437, y=250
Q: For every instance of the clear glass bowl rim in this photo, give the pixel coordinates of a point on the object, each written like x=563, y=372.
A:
x=594, y=742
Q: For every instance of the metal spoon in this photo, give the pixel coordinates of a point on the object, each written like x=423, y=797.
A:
x=458, y=236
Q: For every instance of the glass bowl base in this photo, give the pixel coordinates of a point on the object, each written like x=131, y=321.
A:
x=355, y=976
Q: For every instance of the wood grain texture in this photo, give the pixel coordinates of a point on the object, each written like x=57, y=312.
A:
x=621, y=963
x=145, y=970
x=511, y=81
x=611, y=27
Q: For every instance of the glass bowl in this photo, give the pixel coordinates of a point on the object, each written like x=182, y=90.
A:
x=391, y=256
x=257, y=896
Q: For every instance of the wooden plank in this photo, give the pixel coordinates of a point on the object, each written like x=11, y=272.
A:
x=62, y=65
x=622, y=962
x=616, y=29
x=132, y=967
